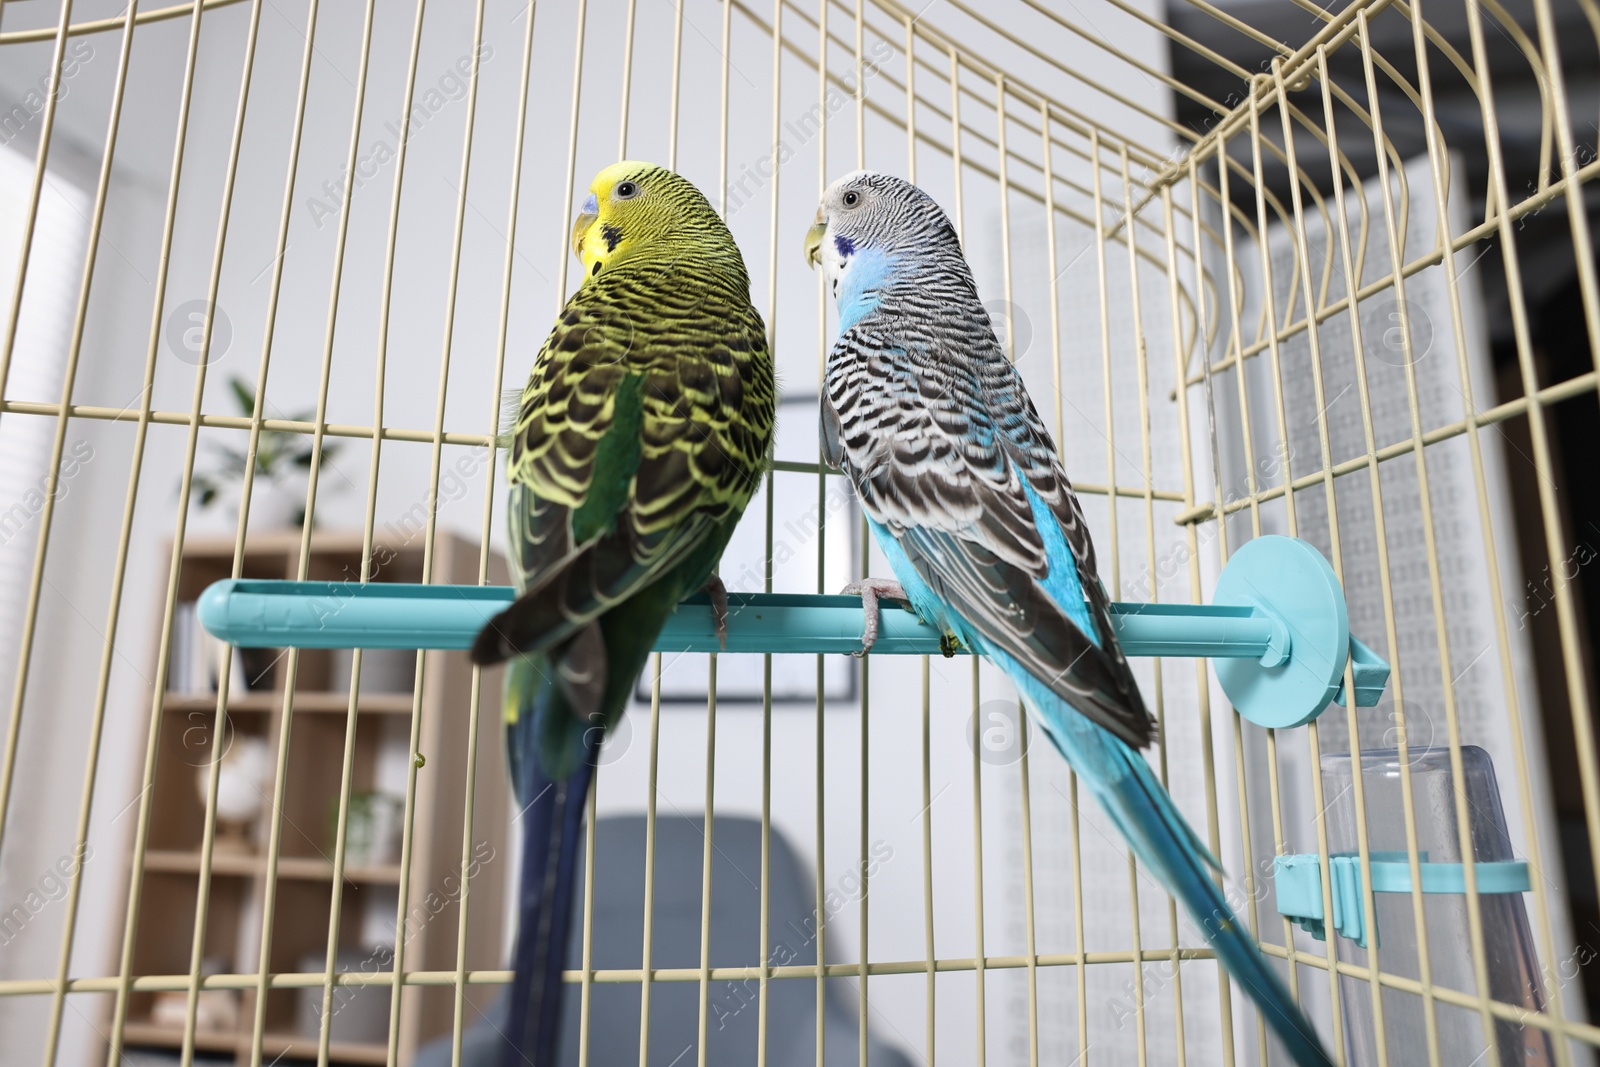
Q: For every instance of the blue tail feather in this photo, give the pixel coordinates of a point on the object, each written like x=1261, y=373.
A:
x=551, y=817
x=1165, y=843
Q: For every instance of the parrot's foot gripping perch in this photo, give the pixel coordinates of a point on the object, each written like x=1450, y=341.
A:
x=719, y=608
x=871, y=590
x=1278, y=631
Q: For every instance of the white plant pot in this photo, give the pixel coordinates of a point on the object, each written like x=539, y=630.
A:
x=273, y=505
x=383, y=670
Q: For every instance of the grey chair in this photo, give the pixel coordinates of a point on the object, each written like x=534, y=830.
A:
x=735, y=941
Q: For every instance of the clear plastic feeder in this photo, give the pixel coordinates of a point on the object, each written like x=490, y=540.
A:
x=1513, y=965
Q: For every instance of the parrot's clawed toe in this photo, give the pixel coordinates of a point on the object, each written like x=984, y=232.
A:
x=871, y=590
x=719, y=608
x=949, y=645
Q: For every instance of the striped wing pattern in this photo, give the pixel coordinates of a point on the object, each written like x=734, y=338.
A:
x=937, y=430
x=647, y=422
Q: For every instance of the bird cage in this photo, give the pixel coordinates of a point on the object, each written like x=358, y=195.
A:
x=1266, y=268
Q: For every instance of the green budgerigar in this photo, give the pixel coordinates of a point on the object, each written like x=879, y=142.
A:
x=645, y=428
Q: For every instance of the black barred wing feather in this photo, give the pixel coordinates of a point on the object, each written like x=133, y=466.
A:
x=1014, y=613
x=940, y=450
x=645, y=426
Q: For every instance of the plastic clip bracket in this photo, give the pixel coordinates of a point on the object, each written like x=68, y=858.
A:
x=1297, y=882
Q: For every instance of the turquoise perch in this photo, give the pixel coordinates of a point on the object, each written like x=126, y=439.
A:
x=254, y=613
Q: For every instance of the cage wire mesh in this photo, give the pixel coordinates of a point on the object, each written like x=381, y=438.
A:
x=1266, y=268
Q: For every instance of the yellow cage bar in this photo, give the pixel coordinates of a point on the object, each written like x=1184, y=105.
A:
x=270, y=268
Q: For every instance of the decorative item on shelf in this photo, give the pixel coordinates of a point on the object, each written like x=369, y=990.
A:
x=216, y=1010
x=246, y=765
x=383, y=670
x=277, y=493
x=360, y=1013
x=374, y=829
x=195, y=662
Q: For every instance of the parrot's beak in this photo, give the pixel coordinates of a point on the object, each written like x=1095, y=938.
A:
x=814, y=241
x=585, y=219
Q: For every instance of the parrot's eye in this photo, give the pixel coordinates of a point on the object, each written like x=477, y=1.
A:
x=626, y=190
x=852, y=198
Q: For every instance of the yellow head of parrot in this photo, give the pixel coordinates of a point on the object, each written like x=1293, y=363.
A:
x=640, y=212
x=607, y=223
x=631, y=206
x=814, y=237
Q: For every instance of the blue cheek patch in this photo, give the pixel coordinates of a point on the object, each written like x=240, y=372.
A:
x=858, y=296
x=845, y=246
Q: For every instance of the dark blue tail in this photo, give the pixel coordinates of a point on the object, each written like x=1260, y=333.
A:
x=558, y=705
x=552, y=833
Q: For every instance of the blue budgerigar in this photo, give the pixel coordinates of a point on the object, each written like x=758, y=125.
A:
x=967, y=500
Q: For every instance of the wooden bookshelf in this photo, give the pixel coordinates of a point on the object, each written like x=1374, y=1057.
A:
x=304, y=876
x=273, y=1046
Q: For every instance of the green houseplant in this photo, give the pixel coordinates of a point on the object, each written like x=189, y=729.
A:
x=282, y=461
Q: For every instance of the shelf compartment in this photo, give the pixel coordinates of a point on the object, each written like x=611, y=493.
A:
x=301, y=868
x=286, y=1045
x=316, y=701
